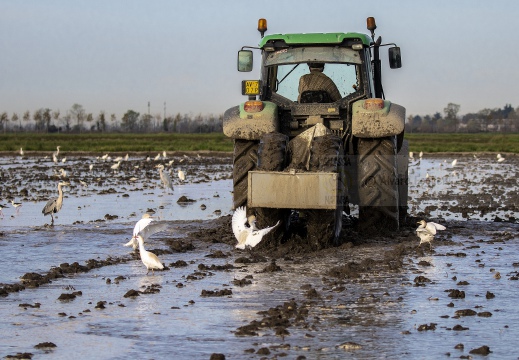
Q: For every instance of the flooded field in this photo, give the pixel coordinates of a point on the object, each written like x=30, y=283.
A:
x=73, y=289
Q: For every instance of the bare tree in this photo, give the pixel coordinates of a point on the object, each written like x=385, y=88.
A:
x=3, y=120
x=15, y=118
x=27, y=116
x=113, y=120
x=77, y=113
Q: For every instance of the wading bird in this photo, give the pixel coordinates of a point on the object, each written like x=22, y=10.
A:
x=54, y=205
x=427, y=230
x=16, y=205
x=181, y=175
x=149, y=259
x=247, y=236
x=21, y=151
x=164, y=177
x=3, y=207
x=139, y=226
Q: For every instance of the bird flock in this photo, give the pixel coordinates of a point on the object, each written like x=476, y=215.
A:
x=244, y=227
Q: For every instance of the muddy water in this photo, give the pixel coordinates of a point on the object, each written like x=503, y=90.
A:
x=391, y=300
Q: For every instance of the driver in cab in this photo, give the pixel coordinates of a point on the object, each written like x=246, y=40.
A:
x=317, y=81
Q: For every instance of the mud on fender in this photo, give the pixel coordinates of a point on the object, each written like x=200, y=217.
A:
x=238, y=124
x=374, y=123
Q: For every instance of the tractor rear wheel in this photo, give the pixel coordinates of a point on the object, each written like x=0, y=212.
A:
x=245, y=158
x=272, y=152
x=324, y=226
x=377, y=184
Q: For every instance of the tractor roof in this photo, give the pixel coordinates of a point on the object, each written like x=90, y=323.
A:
x=315, y=38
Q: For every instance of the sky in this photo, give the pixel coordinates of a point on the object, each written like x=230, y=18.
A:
x=120, y=55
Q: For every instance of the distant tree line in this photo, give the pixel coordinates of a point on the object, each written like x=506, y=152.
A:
x=486, y=120
x=77, y=120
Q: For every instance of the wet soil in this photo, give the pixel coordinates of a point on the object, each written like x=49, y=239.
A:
x=374, y=296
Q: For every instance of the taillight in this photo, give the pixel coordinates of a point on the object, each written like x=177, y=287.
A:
x=253, y=106
x=374, y=104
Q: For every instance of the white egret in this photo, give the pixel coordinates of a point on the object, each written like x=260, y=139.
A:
x=427, y=230
x=247, y=236
x=55, y=154
x=454, y=162
x=171, y=162
x=62, y=173
x=411, y=155
x=126, y=157
x=54, y=205
x=181, y=175
x=420, y=155
x=149, y=259
x=139, y=226
x=64, y=160
x=164, y=177
x=21, y=151
x=119, y=158
x=90, y=167
x=164, y=154
x=104, y=157
x=500, y=159
x=157, y=158
x=115, y=167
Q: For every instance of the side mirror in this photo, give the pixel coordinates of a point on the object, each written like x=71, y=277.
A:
x=245, y=60
x=395, y=59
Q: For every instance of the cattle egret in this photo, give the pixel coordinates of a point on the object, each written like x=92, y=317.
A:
x=454, y=162
x=164, y=177
x=119, y=158
x=126, y=157
x=149, y=259
x=64, y=160
x=104, y=157
x=139, y=226
x=411, y=155
x=21, y=151
x=247, y=236
x=54, y=205
x=115, y=167
x=427, y=230
x=181, y=175
x=164, y=154
x=500, y=158
x=157, y=158
x=420, y=155
x=91, y=166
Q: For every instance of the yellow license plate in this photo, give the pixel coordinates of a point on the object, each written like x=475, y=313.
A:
x=250, y=87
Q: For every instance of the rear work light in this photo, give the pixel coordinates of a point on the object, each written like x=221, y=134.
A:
x=253, y=106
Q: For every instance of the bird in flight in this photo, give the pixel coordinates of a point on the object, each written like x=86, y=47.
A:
x=427, y=230
x=142, y=227
x=247, y=236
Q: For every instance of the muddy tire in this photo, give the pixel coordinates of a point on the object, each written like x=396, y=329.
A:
x=402, y=162
x=324, y=226
x=377, y=185
x=272, y=153
x=245, y=158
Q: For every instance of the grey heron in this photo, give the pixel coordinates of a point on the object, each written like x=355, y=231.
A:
x=54, y=205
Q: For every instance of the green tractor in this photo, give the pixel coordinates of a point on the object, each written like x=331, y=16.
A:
x=309, y=146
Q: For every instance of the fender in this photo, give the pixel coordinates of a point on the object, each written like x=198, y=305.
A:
x=375, y=123
x=238, y=124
